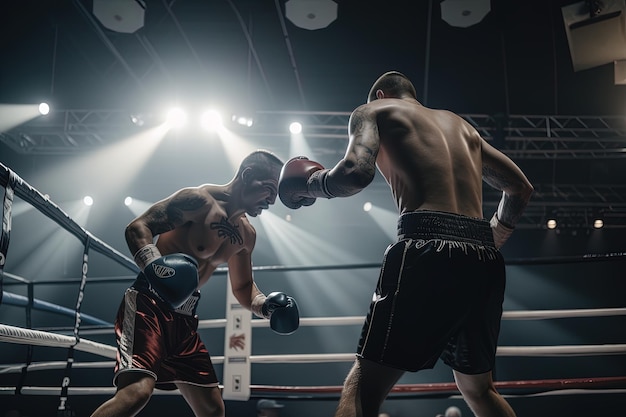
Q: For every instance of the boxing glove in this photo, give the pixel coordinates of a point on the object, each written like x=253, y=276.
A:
x=172, y=278
x=282, y=311
x=301, y=181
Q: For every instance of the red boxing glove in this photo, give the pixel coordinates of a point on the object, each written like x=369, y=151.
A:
x=293, y=182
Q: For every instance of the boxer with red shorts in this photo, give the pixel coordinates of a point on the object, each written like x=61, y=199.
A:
x=198, y=229
x=161, y=342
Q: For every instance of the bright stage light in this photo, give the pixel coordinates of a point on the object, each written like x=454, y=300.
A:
x=295, y=128
x=551, y=224
x=88, y=201
x=128, y=201
x=242, y=120
x=598, y=224
x=137, y=119
x=211, y=120
x=44, y=108
x=367, y=206
x=176, y=117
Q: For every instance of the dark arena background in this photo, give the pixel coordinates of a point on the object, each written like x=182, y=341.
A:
x=543, y=81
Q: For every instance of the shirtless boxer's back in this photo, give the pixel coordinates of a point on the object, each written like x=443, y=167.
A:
x=441, y=284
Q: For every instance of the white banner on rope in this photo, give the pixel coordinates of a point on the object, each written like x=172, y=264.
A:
x=237, y=348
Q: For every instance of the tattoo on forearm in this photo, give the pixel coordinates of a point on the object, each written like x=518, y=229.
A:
x=495, y=178
x=511, y=209
x=227, y=230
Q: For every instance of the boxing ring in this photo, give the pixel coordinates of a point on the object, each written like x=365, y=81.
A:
x=76, y=340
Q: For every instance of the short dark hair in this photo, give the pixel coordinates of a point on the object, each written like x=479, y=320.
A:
x=393, y=83
x=262, y=162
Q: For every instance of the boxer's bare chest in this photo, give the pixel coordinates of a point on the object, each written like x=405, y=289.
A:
x=211, y=241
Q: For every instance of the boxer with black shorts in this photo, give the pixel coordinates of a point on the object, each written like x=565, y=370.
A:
x=441, y=284
x=198, y=229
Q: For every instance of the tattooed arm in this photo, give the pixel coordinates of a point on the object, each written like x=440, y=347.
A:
x=502, y=174
x=357, y=168
x=164, y=215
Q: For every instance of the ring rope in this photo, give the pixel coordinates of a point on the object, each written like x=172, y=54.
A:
x=27, y=336
x=566, y=386
x=23, y=336
x=358, y=320
x=29, y=194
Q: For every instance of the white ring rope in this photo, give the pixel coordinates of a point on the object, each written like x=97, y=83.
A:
x=34, y=337
x=23, y=336
x=358, y=320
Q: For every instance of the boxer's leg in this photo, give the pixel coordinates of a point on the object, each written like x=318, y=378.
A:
x=365, y=389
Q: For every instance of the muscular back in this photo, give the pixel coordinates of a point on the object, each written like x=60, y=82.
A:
x=432, y=159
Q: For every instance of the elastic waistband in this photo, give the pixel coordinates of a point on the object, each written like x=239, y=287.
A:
x=424, y=224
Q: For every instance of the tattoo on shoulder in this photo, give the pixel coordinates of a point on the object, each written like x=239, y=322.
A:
x=356, y=120
x=227, y=230
x=183, y=202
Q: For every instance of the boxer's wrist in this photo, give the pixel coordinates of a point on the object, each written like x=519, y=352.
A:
x=317, y=184
x=257, y=305
x=146, y=254
x=501, y=231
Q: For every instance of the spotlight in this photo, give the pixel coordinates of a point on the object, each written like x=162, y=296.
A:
x=137, y=119
x=87, y=200
x=243, y=120
x=288, y=217
x=295, y=128
x=598, y=224
x=176, y=117
x=551, y=224
x=367, y=206
x=44, y=108
x=128, y=201
x=210, y=120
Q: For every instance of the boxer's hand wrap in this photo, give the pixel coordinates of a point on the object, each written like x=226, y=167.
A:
x=281, y=309
x=301, y=182
x=257, y=306
x=172, y=278
x=317, y=184
x=501, y=232
x=146, y=255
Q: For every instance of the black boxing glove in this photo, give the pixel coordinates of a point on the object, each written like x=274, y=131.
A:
x=301, y=181
x=172, y=278
x=281, y=309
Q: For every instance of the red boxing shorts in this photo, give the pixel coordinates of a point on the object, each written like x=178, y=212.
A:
x=160, y=342
x=439, y=295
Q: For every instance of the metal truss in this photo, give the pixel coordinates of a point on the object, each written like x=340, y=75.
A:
x=70, y=131
x=573, y=137
x=519, y=136
x=575, y=206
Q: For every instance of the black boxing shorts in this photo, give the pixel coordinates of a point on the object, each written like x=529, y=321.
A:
x=161, y=342
x=439, y=295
